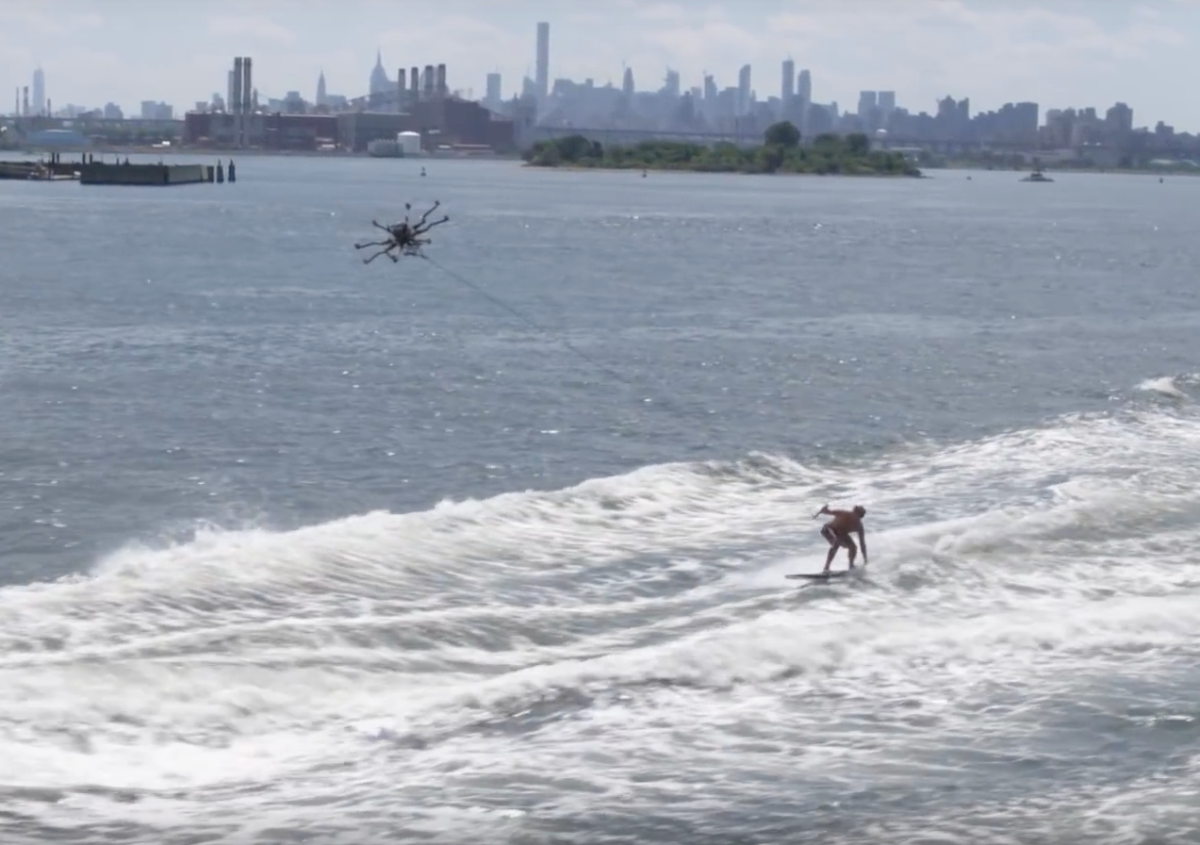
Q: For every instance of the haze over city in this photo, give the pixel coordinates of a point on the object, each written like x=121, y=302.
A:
x=1059, y=54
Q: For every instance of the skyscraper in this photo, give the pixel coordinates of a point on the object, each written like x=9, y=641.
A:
x=804, y=86
x=543, y=60
x=671, y=84
x=494, y=95
x=39, y=92
x=868, y=101
x=788, y=89
x=322, y=98
x=380, y=85
x=743, y=106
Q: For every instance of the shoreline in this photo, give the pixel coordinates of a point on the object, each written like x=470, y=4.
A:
x=202, y=152
x=583, y=168
x=927, y=172
x=1050, y=170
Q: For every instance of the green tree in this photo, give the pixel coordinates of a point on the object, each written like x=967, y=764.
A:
x=783, y=134
x=858, y=144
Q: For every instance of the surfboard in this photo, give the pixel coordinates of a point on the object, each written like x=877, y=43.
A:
x=821, y=576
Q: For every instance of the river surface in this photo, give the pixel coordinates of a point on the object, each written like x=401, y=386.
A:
x=491, y=547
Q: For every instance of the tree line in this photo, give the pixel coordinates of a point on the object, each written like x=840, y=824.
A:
x=780, y=152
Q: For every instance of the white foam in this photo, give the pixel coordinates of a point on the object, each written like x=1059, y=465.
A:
x=1040, y=561
x=1164, y=385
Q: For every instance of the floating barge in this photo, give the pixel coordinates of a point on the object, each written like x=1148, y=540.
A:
x=88, y=171
x=33, y=170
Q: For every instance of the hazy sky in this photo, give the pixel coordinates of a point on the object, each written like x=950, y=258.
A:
x=1058, y=53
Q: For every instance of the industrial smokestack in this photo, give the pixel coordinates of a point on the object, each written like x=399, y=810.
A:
x=428, y=81
x=247, y=101
x=401, y=90
x=247, y=88
x=441, y=81
x=25, y=101
x=236, y=105
x=414, y=84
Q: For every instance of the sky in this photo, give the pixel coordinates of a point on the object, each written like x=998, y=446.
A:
x=1058, y=53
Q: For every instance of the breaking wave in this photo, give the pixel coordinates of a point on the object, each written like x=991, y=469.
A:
x=567, y=660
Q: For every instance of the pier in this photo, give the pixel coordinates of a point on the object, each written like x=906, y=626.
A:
x=87, y=171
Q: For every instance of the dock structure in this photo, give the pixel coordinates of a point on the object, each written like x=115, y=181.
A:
x=88, y=171
x=143, y=174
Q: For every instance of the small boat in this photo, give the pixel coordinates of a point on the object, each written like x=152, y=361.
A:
x=1037, y=176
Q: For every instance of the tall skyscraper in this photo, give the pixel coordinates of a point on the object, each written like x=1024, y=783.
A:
x=381, y=83
x=671, y=85
x=804, y=86
x=788, y=89
x=743, y=91
x=322, y=97
x=868, y=101
x=543, y=60
x=39, y=92
x=494, y=95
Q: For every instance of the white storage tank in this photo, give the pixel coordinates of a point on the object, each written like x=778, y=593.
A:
x=410, y=143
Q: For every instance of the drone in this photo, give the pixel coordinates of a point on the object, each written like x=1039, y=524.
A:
x=404, y=238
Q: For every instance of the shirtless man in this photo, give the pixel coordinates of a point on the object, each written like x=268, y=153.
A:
x=838, y=530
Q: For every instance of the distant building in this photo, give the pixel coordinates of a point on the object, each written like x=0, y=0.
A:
x=157, y=111
x=543, y=61
x=39, y=93
x=804, y=86
x=743, y=91
x=495, y=95
x=1119, y=119
x=441, y=121
x=381, y=83
x=57, y=139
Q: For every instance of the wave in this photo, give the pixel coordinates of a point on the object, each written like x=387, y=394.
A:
x=1041, y=560
x=1176, y=387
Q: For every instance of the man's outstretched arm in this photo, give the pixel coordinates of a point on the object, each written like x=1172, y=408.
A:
x=825, y=510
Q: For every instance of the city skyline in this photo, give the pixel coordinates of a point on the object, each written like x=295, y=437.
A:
x=1060, y=55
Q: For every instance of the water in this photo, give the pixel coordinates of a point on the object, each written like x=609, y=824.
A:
x=295, y=549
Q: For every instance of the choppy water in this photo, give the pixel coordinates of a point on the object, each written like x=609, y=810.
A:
x=300, y=550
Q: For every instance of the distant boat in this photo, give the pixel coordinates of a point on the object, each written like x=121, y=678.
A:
x=1037, y=176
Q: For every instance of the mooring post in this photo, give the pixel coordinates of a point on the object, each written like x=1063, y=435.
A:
x=232, y=173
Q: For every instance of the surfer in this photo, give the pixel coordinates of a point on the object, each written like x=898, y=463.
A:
x=838, y=530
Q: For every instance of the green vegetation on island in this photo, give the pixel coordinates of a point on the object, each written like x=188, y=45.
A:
x=780, y=152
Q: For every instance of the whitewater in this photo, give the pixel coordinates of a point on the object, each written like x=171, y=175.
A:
x=567, y=656
x=346, y=570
